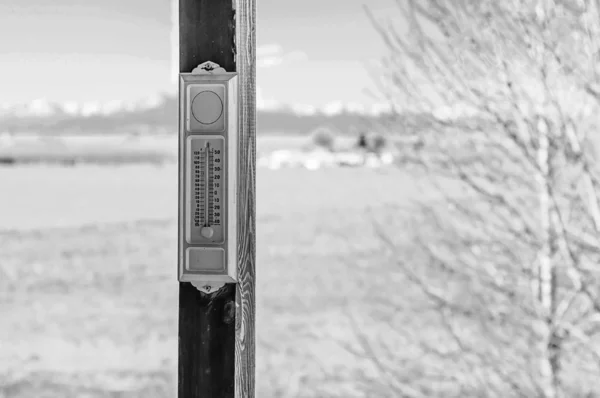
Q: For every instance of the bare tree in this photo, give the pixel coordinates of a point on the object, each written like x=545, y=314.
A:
x=511, y=93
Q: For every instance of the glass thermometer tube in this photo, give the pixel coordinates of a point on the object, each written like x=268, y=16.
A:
x=206, y=199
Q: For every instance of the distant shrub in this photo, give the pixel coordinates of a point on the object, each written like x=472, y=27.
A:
x=324, y=138
x=377, y=142
x=362, y=141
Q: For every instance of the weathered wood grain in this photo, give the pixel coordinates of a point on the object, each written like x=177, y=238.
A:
x=217, y=333
x=245, y=289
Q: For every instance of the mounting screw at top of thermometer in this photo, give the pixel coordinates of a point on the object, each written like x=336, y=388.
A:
x=208, y=140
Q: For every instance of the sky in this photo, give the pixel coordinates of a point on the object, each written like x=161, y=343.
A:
x=310, y=53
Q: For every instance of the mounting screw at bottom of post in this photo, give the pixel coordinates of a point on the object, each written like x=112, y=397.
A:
x=208, y=288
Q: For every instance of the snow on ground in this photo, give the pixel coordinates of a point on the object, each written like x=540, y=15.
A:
x=317, y=159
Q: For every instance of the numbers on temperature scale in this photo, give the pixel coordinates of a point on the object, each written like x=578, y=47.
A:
x=207, y=187
x=207, y=174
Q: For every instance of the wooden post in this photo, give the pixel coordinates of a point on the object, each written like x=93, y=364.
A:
x=216, y=332
x=175, y=43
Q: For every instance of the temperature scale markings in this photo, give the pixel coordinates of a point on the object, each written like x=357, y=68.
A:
x=210, y=164
x=204, y=187
x=207, y=191
x=199, y=187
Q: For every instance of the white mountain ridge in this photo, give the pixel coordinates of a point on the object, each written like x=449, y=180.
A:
x=44, y=108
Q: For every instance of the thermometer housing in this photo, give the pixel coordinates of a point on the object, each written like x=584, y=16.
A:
x=208, y=151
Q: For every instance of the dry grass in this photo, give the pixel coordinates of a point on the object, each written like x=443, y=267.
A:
x=92, y=310
x=88, y=290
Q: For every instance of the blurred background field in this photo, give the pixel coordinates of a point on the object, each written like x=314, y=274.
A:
x=89, y=292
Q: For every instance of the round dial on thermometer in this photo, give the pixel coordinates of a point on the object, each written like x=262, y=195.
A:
x=206, y=200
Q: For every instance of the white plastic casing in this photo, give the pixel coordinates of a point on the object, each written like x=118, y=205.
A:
x=207, y=124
